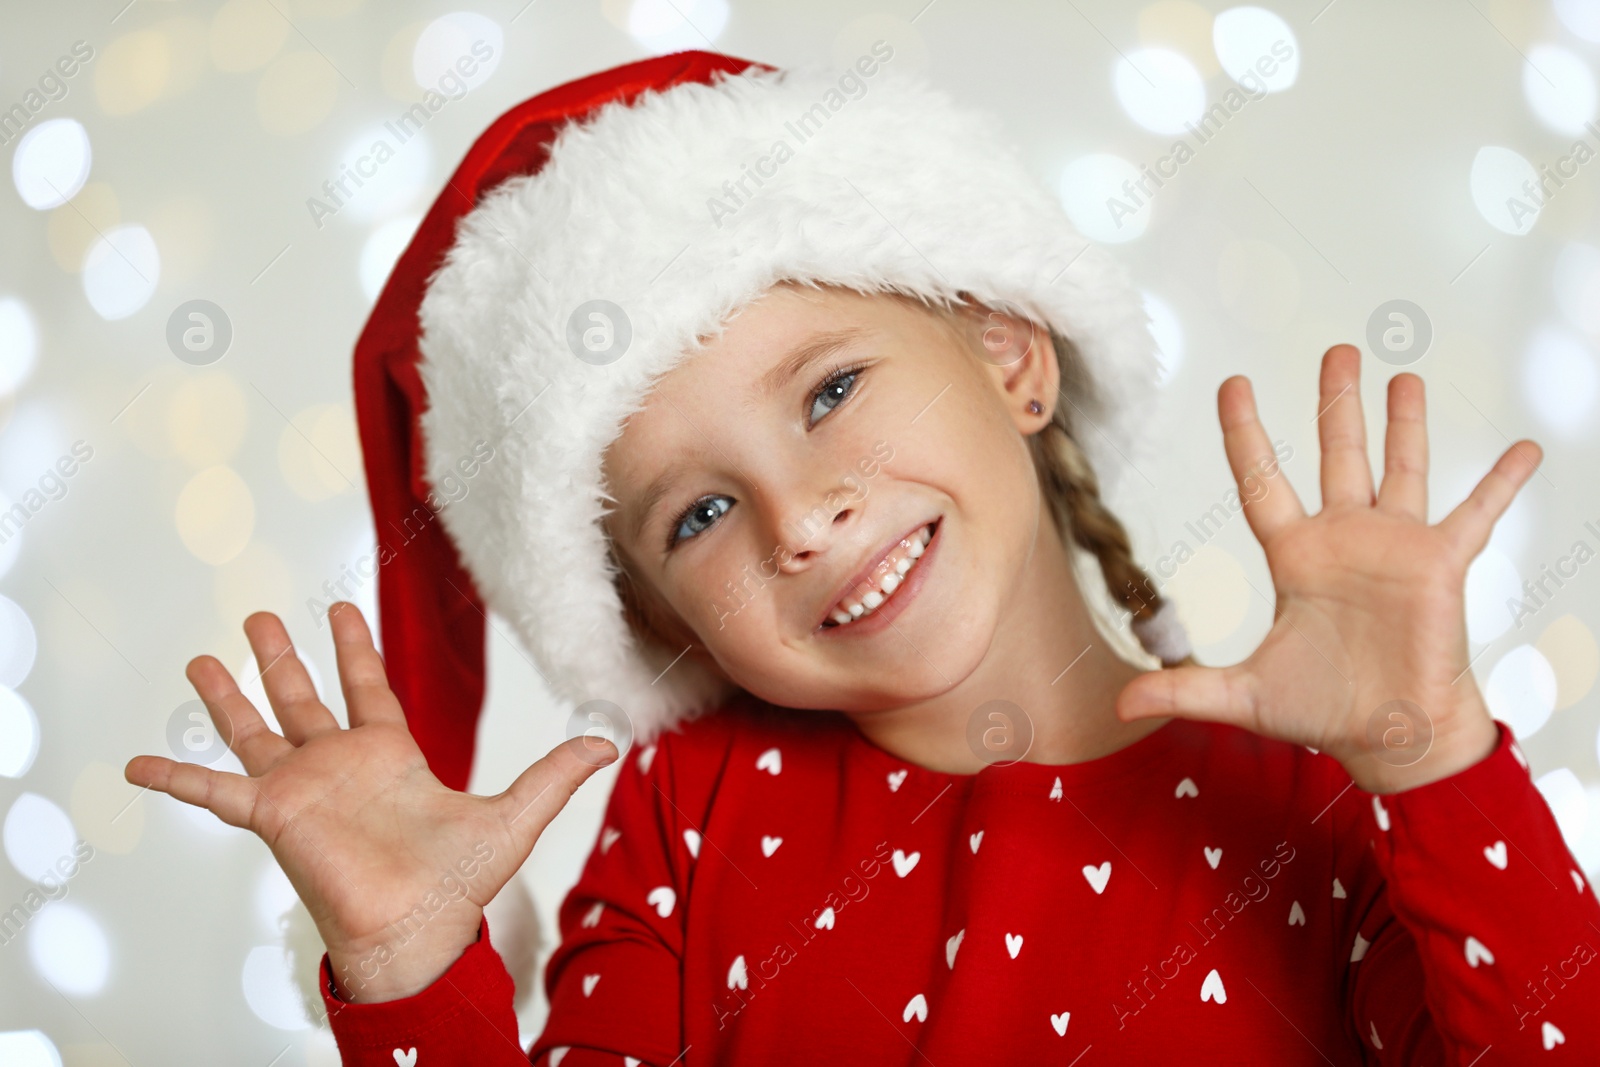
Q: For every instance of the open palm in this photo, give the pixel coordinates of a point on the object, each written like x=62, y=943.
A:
x=366, y=834
x=1370, y=606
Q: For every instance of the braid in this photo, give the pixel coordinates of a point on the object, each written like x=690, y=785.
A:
x=1070, y=485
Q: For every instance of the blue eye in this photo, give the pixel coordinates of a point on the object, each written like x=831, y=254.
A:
x=833, y=392
x=700, y=516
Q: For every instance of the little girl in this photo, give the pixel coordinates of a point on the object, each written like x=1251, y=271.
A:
x=768, y=409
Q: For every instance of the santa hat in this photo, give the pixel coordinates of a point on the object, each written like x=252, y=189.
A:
x=591, y=239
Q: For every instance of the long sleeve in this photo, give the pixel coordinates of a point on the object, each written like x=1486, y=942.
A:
x=464, y=1019
x=1469, y=926
x=615, y=980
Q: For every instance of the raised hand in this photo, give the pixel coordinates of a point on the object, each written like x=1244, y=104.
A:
x=393, y=866
x=1370, y=598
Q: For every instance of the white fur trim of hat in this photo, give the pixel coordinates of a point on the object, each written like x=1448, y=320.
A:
x=679, y=209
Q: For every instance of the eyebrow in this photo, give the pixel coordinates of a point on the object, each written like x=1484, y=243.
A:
x=806, y=353
x=817, y=347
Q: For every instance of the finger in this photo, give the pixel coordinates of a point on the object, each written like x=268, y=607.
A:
x=1346, y=475
x=367, y=696
x=283, y=676
x=1405, y=450
x=1468, y=526
x=1269, y=500
x=542, y=790
x=238, y=722
x=230, y=797
x=1207, y=694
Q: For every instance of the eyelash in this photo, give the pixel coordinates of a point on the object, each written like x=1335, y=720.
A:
x=833, y=376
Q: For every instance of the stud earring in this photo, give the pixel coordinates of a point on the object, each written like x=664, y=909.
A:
x=1035, y=408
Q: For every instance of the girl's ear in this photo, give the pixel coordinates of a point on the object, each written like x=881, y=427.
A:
x=1021, y=360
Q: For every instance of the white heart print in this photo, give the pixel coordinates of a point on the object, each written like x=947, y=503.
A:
x=1014, y=944
x=608, y=837
x=1211, y=988
x=1380, y=813
x=592, y=919
x=737, y=976
x=896, y=779
x=975, y=840
x=1098, y=876
x=1496, y=854
x=1213, y=856
x=769, y=845
x=825, y=920
x=589, y=982
x=692, y=839
x=1374, y=1027
x=1055, y=790
x=1338, y=890
x=1187, y=788
x=1552, y=1036
x=662, y=898
x=408, y=1058
x=1478, y=952
x=1060, y=1022
x=770, y=761
x=916, y=1007
x=903, y=863
x=1359, y=949
x=647, y=756
x=952, y=945
x=1297, y=914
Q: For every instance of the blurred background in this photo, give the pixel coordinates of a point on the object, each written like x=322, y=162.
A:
x=177, y=442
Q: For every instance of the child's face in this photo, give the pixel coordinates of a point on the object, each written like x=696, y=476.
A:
x=752, y=501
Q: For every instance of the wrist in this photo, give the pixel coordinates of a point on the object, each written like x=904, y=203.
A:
x=401, y=966
x=1459, y=742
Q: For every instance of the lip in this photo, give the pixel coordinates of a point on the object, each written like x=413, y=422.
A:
x=903, y=596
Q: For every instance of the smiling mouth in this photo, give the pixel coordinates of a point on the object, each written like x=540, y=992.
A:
x=880, y=585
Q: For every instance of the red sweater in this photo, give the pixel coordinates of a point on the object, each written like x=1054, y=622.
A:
x=771, y=887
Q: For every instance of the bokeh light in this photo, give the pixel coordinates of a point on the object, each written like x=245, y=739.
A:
x=270, y=991
x=1577, y=285
x=1257, y=49
x=1521, y=691
x=216, y=514
x=381, y=174
x=121, y=271
x=1094, y=191
x=39, y=838
x=51, y=163
x=662, y=26
x=1564, y=792
x=1560, y=381
x=1505, y=189
x=19, y=343
x=18, y=643
x=1582, y=17
x=19, y=734
x=454, y=44
x=382, y=250
x=247, y=34
x=1559, y=87
x=1492, y=579
x=1159, y=89
x=1574, y=655
x=28, y=1048
x=69, y=948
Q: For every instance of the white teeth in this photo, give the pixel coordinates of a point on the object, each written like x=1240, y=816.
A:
x=849, y=610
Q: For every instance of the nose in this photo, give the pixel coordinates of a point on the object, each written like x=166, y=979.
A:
x=807, y=529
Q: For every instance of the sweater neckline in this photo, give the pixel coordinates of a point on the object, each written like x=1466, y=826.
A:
x=1028, y=777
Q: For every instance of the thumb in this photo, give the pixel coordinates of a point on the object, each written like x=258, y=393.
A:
x=1208, y=694
x=541, y=791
